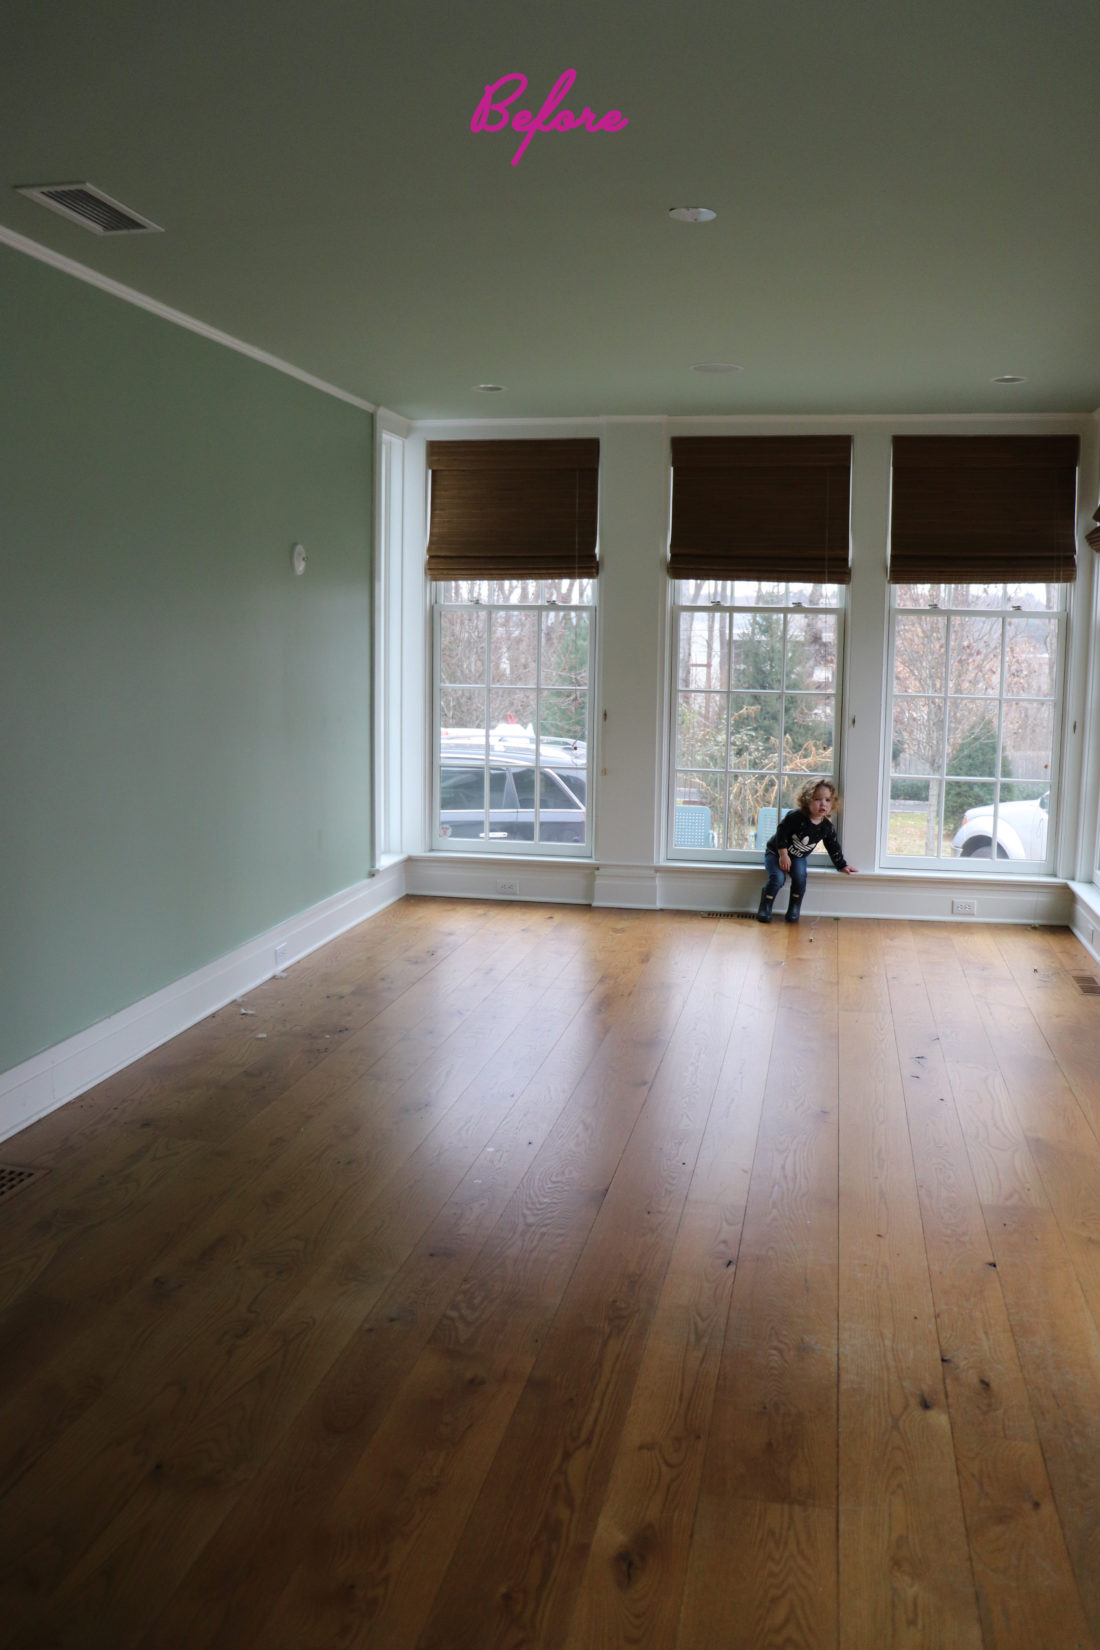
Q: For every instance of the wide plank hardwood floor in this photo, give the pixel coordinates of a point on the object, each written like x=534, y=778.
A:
x=525, y=1276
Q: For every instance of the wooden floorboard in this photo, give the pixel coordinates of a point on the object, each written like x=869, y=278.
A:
x=525, y=1276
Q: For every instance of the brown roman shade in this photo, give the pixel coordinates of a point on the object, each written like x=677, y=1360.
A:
x=513, y=509
x=979, y=509
x=761, y=507
x=1092, y=538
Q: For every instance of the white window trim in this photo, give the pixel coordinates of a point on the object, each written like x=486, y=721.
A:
x=512, y=847
x=738, y=856
x=969, y=866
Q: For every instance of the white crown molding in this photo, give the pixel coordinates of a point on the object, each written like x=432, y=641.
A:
x=129, y=295
x=52, y=1078
x=392, y=423
x=894, y=420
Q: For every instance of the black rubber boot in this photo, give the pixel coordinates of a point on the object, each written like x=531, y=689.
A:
x=794, y=908
x=764, y=914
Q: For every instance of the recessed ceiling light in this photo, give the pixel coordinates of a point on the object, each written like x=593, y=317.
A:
x=717, y=366
x=489, y=389
x=1009, y=378
x=691, y=214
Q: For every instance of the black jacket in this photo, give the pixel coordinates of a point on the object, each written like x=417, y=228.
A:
x=800, y=836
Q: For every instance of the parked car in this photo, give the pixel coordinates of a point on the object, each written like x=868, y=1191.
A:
x=1021, y=831
x=561, y=777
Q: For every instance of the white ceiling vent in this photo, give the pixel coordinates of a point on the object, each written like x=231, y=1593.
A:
x=90, y=207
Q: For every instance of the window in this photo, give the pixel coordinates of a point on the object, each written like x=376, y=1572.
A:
x=976, y=674
x=512, y=714
x=757, y=681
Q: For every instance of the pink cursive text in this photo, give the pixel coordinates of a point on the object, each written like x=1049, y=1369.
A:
x=550, y=117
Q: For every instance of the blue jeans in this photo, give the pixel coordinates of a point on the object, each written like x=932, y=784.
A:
x=776, y=877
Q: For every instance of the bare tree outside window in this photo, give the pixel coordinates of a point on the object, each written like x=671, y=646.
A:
x=756, y=706
x=973, y=715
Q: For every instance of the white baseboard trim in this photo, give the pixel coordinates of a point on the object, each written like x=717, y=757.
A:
x=629, y=887
x=1085, y=920
x=479, y=876
x=57, y=1075
x=918, y=896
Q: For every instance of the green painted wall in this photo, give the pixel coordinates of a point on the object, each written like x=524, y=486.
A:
x=185, y=738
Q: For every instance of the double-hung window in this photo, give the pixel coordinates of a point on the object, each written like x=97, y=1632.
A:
x=758, y=559
x=976, y=675
x=982, y=554
x=512, y=714
x=512, y=567
x=755, y=708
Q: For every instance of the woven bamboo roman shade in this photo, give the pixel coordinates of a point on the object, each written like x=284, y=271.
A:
x=981, y=509
x=761, y=507
x=513, y=509
x=1092, y=537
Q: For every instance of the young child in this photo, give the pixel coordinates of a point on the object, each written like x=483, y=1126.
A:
x=798, y=835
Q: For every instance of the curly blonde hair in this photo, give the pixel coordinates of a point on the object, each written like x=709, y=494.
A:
x=806, y=793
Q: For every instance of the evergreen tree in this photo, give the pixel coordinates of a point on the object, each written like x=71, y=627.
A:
x=975, y=754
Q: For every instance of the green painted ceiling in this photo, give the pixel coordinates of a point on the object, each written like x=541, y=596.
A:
x=906, y=194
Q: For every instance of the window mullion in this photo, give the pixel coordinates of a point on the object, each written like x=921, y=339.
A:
x=486, y=796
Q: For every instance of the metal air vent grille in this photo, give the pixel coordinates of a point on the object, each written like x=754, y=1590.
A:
x=82, y=203
x=13, y=1179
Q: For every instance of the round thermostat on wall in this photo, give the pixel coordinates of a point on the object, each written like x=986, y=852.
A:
x=298, y=559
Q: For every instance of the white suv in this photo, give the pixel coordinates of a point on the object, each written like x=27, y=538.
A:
x=1021, y=831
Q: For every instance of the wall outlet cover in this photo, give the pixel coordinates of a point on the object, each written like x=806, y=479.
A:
x=507, y=886
x=964, y=907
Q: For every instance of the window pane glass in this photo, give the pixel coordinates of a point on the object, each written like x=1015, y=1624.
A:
x=920, y=654
x=975, y=655
x=1023, y=821
x=976, y=595
x=808, y=733
x=701, y=730
x=462, y=711
x=753, y=811
x=699, y=810
x=972, y=738
x=1031, y=651
x=758, y=653
x=462, y=590
x=1027, y=741
x=913, y=828
x=1031, y=596
x=759, y=593
x=919, y=595
x=574, y=592
x=811, y=650
x=462, y=788
x=511, y=716
x=814, y=595
x=701, y=592
x=754, y=730
x=513, y=592
x=565, y=649
x=513, y=648
x=976, y=803
x=462, y=645
x=563, y=715
x=917, y=736
x=704, y=650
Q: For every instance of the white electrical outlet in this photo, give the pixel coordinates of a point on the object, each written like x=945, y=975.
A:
x=964, y=908
x=507, y=887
